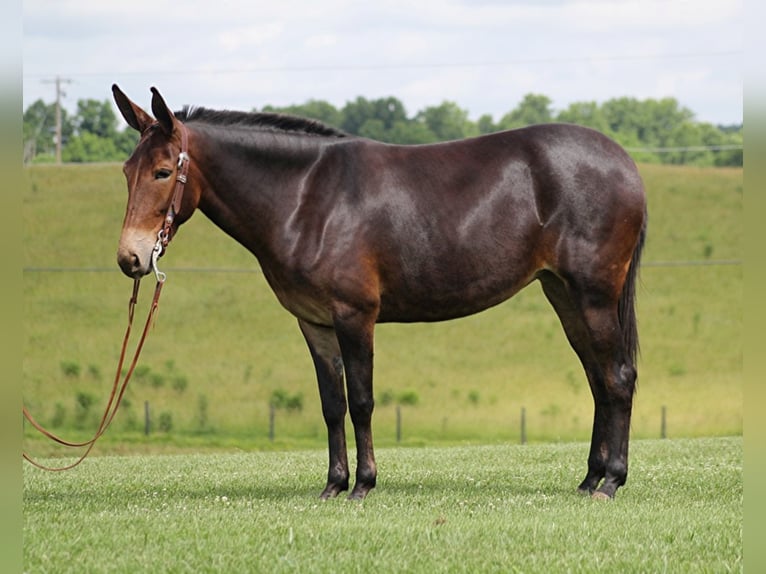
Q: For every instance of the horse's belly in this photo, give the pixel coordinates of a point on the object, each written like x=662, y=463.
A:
x=439, y=304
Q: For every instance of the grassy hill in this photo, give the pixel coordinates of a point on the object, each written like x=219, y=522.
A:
x=222, y=344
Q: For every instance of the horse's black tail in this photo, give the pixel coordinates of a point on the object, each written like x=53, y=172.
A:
x=626, y=307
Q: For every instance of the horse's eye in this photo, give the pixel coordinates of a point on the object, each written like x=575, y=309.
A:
x=162, y=174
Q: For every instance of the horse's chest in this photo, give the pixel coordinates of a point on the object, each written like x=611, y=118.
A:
x=302, y=299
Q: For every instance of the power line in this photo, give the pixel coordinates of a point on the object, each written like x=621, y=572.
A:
x=409, y=65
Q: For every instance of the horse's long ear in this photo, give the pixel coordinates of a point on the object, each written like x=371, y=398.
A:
x=137, y=118
x=162, y=112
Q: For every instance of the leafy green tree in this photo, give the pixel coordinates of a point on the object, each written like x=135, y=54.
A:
x=664, y=120
x=319, y=110
x=388, y=110
x=89, y=147
x=39, y=129
x=533, y=109
x=657, y=125
x=410, y=132
x=649, y=122
x=626, y=120
x=373, y=128
x=486, y=124
x=448, y=121
x=723, y=136
x=96, y=117
x=125, y=141
x=587, y=114
x=686, y=138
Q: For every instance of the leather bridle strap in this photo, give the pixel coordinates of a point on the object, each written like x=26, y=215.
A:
x=118, y=390
x=178, y=192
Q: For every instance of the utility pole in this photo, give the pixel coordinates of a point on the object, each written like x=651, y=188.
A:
x=59, y=94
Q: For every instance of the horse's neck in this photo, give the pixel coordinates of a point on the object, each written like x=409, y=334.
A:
x=253, y=183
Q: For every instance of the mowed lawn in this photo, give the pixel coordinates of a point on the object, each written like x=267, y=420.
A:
x=455, y=509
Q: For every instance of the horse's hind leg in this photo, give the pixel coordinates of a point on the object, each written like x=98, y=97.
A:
x=592, y=327
x=325, y=352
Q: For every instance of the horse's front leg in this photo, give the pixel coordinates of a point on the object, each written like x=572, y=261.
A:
x=328, y=363
x=355, y=329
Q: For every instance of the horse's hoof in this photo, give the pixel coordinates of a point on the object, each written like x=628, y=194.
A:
x=359, y=492
x=331, y=491
x=600, y=496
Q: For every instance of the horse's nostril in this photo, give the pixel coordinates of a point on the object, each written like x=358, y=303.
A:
x=130, y=263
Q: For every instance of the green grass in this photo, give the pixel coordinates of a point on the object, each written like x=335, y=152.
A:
x=459, y=509
x=231, y=343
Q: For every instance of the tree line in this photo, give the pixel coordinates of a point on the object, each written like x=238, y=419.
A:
x=653, y=130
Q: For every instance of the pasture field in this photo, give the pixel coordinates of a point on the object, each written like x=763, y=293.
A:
x=436, y=509
x=222, y=345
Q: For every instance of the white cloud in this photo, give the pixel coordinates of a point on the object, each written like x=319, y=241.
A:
x=233, y=39
x=318, y=41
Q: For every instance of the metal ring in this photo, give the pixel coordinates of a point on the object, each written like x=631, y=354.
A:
x=156, y=251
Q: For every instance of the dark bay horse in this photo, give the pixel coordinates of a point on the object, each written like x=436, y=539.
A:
x=350, y=232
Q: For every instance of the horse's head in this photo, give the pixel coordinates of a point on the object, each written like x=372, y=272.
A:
x=151, y=173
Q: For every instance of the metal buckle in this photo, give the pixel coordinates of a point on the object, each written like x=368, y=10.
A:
x=156, y=252
x=182, y=157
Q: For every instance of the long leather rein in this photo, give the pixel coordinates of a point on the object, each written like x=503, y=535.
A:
x=118, y=388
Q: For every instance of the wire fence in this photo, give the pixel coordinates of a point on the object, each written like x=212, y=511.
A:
x=723, y=147
x=153, y=427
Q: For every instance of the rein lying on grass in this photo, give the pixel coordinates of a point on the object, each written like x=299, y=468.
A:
x=118, y=389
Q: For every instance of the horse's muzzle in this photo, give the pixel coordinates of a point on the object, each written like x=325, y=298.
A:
x=134, y=255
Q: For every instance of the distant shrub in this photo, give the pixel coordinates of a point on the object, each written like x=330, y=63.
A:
x=59, y=415
x=165, y=422
x=180, y=383
x=281, y=399
x=83, y=402
x=157, y=380
x=552, y=410
x=385, y=398
x=676, y=370
x=94, y=372
x=70, y=369
x=408, y=397
x=141, y=372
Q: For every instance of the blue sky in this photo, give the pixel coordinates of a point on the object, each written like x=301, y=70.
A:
x=483, y=55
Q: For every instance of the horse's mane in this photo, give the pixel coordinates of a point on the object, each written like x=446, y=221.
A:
x=256, y=120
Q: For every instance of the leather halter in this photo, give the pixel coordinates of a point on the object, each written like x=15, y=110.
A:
x=166, y=232
x=181, y=175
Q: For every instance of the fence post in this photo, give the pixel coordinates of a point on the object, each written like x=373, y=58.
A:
x=398, y=423
x=523, y=425
x=664, y=423
x=146, y=418
x=272, y=416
